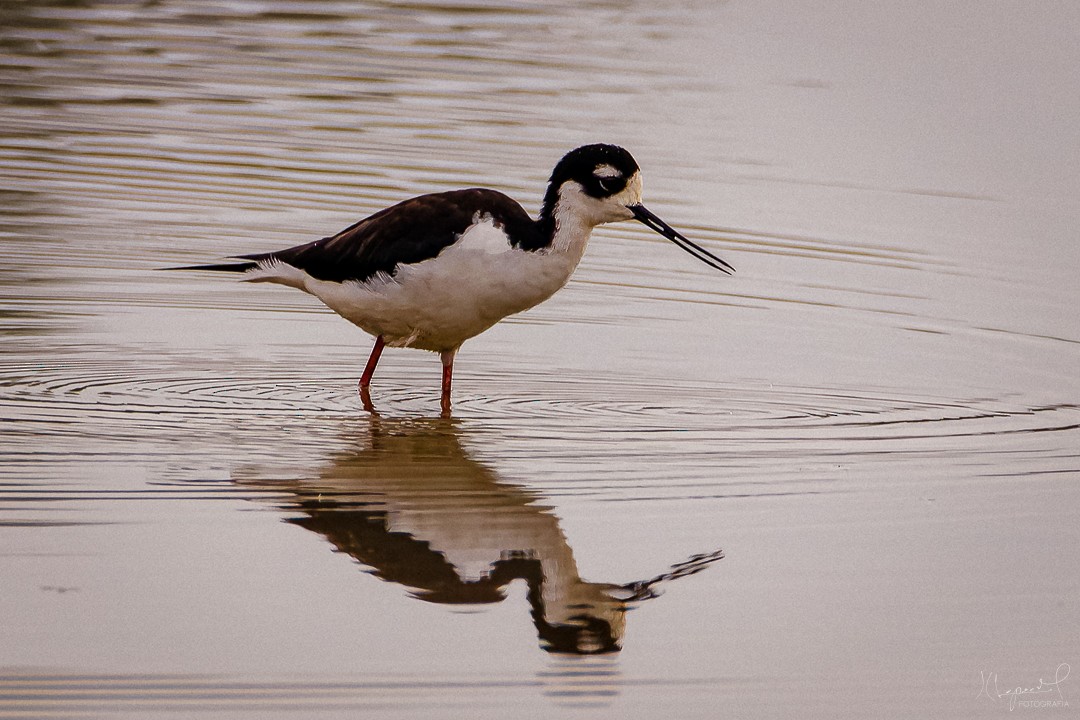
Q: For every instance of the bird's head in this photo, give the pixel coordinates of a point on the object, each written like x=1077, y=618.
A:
x=597, y=184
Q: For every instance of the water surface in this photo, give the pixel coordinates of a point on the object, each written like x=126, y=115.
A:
x=841, y=483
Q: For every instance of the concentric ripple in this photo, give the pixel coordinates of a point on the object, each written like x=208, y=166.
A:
x=57, y=397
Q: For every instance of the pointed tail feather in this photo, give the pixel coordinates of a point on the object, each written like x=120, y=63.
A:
x=222, y=267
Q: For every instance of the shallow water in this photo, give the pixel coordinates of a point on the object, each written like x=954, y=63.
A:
x=842, y=482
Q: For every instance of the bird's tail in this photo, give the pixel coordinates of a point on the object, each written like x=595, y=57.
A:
x=259, y=269
x=223, y=267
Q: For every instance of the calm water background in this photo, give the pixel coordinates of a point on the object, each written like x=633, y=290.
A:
x=877, y=419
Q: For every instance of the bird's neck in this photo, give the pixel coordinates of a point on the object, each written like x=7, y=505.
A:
x=564, y=226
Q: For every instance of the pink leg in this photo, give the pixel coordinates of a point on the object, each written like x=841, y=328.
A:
x=372, y=361
x=447, y=379
x=369, y=370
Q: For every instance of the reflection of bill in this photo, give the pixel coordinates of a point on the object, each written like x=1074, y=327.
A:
x=411, y=504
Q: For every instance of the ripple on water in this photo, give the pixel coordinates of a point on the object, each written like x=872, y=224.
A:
x=93, y=694
x=64, y=397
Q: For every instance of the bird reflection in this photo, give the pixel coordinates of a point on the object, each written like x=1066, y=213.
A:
x=408, y=502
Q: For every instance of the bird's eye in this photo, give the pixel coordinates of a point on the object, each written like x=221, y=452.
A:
x=610, y=185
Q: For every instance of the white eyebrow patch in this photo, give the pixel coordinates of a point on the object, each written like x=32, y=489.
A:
x=606, y=171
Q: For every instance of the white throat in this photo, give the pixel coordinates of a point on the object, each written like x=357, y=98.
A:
x=576, y=213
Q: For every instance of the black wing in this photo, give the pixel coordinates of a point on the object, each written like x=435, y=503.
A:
x=406, y=233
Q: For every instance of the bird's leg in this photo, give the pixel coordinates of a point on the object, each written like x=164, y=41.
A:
x=372, y=361
x=369, y=370
x=447, y=379
x=365, y=400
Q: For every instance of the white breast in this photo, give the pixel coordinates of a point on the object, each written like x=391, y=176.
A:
x=439, y=303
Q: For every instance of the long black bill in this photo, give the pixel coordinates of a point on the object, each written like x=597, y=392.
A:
x=642, y=215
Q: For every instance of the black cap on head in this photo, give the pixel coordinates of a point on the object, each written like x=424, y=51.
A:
x=616, y=167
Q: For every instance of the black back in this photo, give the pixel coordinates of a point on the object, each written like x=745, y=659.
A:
x=409, y=232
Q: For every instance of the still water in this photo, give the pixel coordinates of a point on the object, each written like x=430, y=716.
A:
x=841, y=483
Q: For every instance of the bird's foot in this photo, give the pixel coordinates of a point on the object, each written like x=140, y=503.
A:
x=365, y=399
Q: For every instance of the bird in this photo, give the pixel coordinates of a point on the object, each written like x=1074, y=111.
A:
x=436, y=270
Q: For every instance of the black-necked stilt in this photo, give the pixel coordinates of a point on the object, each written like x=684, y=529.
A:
x=436, y=270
